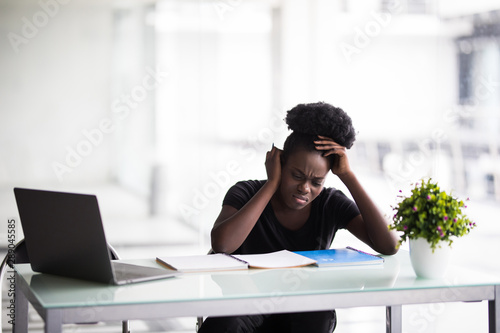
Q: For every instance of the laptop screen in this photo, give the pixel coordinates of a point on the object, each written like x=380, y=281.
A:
x=64, y=234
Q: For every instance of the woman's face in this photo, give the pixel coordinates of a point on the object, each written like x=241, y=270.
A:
x=302, y=178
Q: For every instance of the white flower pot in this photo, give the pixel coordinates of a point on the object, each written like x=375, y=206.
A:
x=428, y=264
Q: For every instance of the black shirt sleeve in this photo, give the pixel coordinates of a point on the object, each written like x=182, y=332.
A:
x=241, y=192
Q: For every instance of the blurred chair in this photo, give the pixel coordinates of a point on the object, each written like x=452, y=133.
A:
x=20, y=256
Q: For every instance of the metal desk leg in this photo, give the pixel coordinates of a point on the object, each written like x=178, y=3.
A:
x=21, y=312
x=53, y=321
x=393, y=319
x=494, y=312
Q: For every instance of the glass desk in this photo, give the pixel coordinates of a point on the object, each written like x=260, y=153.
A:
x=62, y=300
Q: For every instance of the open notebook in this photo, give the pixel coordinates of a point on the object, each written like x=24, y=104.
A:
x=281, y=259
x=222, y=261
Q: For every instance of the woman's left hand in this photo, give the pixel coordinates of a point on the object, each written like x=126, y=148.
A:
x=341, y=162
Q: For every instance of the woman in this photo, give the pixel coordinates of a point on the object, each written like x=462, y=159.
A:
x=292, y=210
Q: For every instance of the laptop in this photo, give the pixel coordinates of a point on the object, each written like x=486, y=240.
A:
x=64, y=236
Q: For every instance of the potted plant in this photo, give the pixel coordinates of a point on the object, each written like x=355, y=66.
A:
x=430, y=219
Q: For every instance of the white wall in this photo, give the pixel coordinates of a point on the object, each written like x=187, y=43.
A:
x=54, y=85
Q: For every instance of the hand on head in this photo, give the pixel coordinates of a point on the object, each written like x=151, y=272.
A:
x=329, y=147
x=273, y=165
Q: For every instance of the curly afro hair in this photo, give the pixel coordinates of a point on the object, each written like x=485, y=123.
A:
x=307, y=121
x=322, y=119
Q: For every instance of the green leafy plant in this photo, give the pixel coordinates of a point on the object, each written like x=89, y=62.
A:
x=432, y=214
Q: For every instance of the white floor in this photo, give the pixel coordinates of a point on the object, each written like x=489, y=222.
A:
x=135, y=235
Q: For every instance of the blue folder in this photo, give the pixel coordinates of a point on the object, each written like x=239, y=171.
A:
x=342, y=257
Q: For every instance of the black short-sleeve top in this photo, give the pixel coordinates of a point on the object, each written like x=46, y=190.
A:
x=330, y=211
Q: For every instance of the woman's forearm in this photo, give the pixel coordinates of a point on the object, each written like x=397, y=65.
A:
x=231, y=230
x=376, y=225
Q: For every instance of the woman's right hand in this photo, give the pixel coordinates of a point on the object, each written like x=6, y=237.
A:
x=273, y=165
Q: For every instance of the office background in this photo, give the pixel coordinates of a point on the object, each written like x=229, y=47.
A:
x=159, y=106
